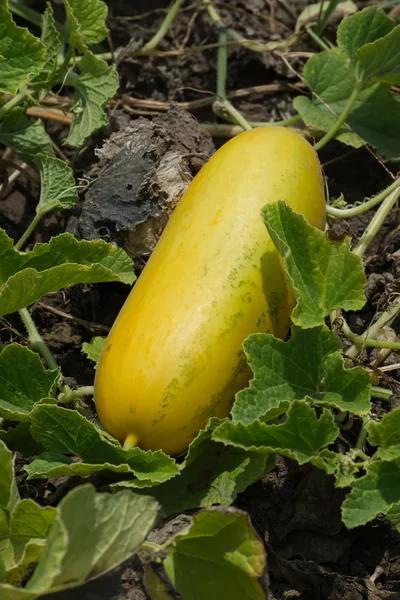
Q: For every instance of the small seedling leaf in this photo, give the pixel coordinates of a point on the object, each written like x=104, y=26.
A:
x=94, y=348
x=324, y=276
x=24, y=382
x=96, y=84
x=58, y=189
x=219, y=557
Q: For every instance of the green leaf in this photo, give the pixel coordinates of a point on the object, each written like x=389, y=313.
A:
x=24, y=382
x=211, y=474
x=27, y=137
x=25, y=555
x=320, y=117
x=156, y=588
x=67, y=432
x=386, y=435
x=95, y=86
x=63, y=262
x=324, y=275
x=375, y=116
x=21, y=53
x=8, y=489
x=102, y=531
x=29, y=520
x=19, y=439
x=380, y=60
x=376, y=492
x=51, y=464
x=300, y=437
x=88, y=18
x=94, y=348
x=393, y=514
x=364, y=27
x=220, y=557
x=57, y=185
x=308, y=365
x=50, y=38
x=9, y=592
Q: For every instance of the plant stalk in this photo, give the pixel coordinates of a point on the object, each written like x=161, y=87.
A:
x=152, y=44
x=381, y=393
x=28, y=232
x=358, y=210
x=341, y=120
x=369, y=336
x=214, y=16
x=362, y=436
x=15, y=101
x=36, y=341
x=67, y=396
x=316, y=38
x=376, y=222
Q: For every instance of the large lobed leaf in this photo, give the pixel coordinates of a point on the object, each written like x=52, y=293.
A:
x=324, y=275
x=63, y=431
x=63, y=262
x=309, y=365
x=211, y=474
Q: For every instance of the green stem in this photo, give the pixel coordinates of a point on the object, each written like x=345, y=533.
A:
x=152, y=44
x=67, y=63
x=376, y=223
x=284, y=123
x=316, y=38
x=358, y=210
x=36, y=340
x=381, y=393
x=214, y=16
x=361, y=340
x=8, y=106
x=27, y=13
x=30, y=229
x=222, y=67
x=222, y=106
x=341, y=120
x=362, y=436
x=107, y=56
x=68, y=395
